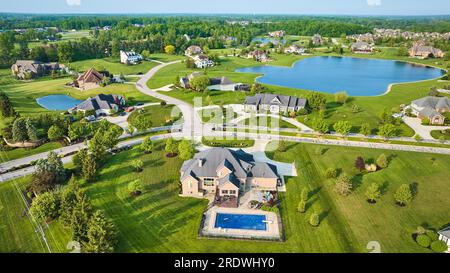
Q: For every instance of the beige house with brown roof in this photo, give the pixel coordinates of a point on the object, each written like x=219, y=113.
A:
x=193, y=50
x=24, y=69
x=422, y=51
x=89, y=80
x=431, y=108
x=226, y=174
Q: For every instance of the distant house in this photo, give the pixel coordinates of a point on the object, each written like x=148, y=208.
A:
x=130, y=57
x=203, y=61
x=258, y=55
x=422, y=51
x=444, y=235
x=294, y=49
x=107, y=28
x=89, y=80
x=101, y=104
x=226, y=174
x=24, y=69
x=431, y=108
x=219, y=84
x=277, y=34
x=193, y=50
x=362, y=48
x=317, y=40
x=273, y=103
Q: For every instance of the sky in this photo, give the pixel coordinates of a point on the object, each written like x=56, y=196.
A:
x=300, y=7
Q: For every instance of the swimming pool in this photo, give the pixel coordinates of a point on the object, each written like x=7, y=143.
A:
x=241, y=221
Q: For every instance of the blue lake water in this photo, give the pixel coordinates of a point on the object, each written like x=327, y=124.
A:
x=267, y=40
x=57, y=102
x=240, y=221
x=356, y=76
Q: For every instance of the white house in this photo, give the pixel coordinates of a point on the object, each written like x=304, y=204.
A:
x=294, y=49
x=444, y=235
x=202, y=61
x=130, y=57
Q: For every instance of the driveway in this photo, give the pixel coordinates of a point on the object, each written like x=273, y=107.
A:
x=422, y=130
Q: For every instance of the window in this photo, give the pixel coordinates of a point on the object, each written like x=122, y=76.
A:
x=224, y=191
x=232, y=192
x=190, y=184
x=208, y=182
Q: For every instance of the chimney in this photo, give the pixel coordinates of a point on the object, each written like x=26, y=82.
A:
x=200, y=162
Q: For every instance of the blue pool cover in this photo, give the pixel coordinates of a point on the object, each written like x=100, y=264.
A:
x=240, y=221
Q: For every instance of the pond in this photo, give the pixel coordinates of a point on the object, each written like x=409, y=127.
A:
x=356, y=76
x=57, y=102
x=265, y=40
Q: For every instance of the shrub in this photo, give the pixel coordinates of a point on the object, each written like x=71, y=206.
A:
x=331, y=173
x=420, y=230
x=432, y=234
x=403, y=195
x=423, y=240
x=135, y=187
x=360, y=164
x=314, y=219
x=382, y=161
x=343, y=185
x=45, y=206
x=373, y=193
x=301, y=206
x=137, y=165
x=341, y=97
x=439, y=246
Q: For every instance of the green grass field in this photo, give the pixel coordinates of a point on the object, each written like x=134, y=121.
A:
x=158, y=115
x=161, y=221
x=113, y=65
x=22, y=152
x=439, y=134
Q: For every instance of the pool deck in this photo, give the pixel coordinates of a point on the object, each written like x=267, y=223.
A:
x=272, y=232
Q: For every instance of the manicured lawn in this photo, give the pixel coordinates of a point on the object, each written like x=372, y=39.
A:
x=17, y=231
x=268, y=122
x=161, y=221
x=384, y=221
x=165, y=58
x=158, y=115
x=113, y=65
x=24, y=95
x=439, y=134
x=22, y=152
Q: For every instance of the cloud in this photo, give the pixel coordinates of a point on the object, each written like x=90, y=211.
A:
x=374, y=2
x=73, y=2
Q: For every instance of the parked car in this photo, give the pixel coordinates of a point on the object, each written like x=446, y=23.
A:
x=91, y=118
x=139, y=104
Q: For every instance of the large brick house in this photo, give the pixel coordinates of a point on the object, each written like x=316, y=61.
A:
x=226, y=173
x=431, y=108
x=25, y=69
x=419, y=50
x=89, y=80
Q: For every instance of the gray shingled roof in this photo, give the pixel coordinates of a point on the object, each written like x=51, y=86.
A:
x=272, y=99
x=445, y=232
x=240, y=163
x=433, y=102
x=100, y=101
x=229, y=178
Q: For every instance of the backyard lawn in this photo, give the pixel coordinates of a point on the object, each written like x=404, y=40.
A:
x=113, y=65
x=158, y=115
x=161, y=221
x=22, y=152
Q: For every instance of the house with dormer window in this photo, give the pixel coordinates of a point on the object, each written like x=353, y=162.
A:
x=226, y=174
x=274, y=103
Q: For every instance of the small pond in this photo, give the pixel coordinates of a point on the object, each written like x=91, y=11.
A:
x=57, y=102
x=268, y=40
x=356, y=76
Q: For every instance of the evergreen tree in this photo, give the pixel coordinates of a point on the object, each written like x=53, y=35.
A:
x=101, y=234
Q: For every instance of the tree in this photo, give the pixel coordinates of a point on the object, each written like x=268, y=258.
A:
x=142, y=123
x=314, y=219
x=79, y=219
x=6, y=107
x=320, y=125
x=171, y=147
x=147, y=145
x=305, y=194
x=135, y=187
x=301, y=206
x=387, y=130
x=49, y=172
x=316, y=100
x=343, y=185
x=101, y=234
x=423, y=240
x=111, y=137
x=199, y=83
x=342, y=127
x=55, y=132
x=365, y=129
x=45, y=206
x=360, y=164
x=19, y=130
x=169, y=49
x=89, y=167
x=282, y=146
x=331, y=173
x=382, y=161
x=373, y=193
x=403, y=195
x=186, y=149
x=341, y=97
x=138, y=165
x=31, y=130
x=438, y=246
